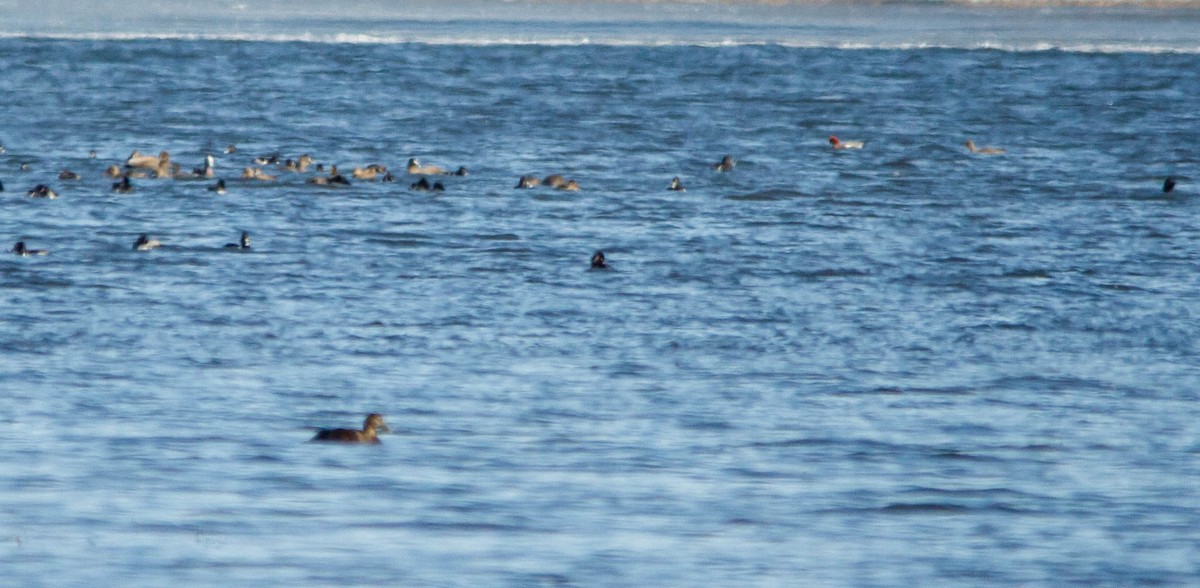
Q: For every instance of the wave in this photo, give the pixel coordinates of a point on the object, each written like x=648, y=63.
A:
x=566, y=41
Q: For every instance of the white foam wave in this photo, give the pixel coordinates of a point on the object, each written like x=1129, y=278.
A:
x=616, y=41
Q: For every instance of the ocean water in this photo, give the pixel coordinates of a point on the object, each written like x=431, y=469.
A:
x=904, y=365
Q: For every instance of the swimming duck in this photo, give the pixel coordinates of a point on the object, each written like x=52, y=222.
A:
x=373, y=424
x=570, y=186
x=206, y=171
x=334, y=178
x=983, y=150
x=21, y=250
x=598, y=261
x=122, y=186
x=676, y=185
x=113, y=171
x=415, y=168
x=528, y=182
x=266, y=160
x=368, y=173
x=421, y=185
x=92, y=154
x=218, y=187
x=1, y=186
x=243, y=243
x=166, y=168
x=42, y=191
x=554, y=181
x=67, y=174
x=840, y=144
x=254, y=173
x=300, y=165
x=725, y=165
x=145, y=243
x=461, y=171
x=1168, y=185
x=231, y=148
x=329, y=180
x=139, y=159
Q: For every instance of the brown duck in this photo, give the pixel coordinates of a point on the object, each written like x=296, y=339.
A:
x=372, y=424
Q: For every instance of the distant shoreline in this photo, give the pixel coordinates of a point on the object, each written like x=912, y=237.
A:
x=1094, y=26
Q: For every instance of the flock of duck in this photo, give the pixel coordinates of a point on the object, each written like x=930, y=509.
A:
x=139, y=165
x=267, y=169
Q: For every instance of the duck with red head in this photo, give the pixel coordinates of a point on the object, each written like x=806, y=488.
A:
x=839, y=144
x=371, y=426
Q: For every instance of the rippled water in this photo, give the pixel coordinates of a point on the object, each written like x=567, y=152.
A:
x=899, y=366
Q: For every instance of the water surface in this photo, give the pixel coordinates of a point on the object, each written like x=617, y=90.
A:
x=899, y=366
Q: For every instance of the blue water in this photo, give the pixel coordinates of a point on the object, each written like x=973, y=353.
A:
x=901, y=366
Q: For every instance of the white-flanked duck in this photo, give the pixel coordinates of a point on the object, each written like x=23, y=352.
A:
x=206, y=171
x=22, y=250
x=123, y=186
x=242, y=244
x=145, y=243
x=42, y=191
x=837, y=143
x=725, y=164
